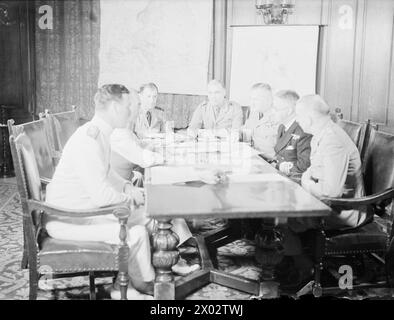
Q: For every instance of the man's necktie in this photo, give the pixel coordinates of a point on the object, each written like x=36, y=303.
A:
x=149, y=117
x=281, y=131
x=216, y=111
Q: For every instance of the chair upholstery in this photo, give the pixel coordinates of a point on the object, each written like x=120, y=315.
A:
x=63, y=125
x=68, y=256
x=31, y=170
x=379, y=166
x=354, y=130
x=47, y=255
x=369, y=238
x=38, y=136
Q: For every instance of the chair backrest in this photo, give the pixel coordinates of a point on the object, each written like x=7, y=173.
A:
x=378, y=166
x=37, y=131
x=355, y=131
x=245, y=112
x=63, y=124
x=26, y=169
x=29, y=187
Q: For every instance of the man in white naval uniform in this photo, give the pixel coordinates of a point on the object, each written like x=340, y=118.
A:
x=128, y=151
x=84, y=180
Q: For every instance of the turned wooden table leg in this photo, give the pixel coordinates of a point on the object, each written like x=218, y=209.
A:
x=123, y=276
x=165, y=255
x=269, y=253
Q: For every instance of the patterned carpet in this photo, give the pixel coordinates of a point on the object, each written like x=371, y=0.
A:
x=237, y=258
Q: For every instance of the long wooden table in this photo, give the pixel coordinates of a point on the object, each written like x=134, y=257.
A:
x=254, y=190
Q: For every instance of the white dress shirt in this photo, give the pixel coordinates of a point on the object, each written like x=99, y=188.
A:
x=289, y=123
x=127, y=152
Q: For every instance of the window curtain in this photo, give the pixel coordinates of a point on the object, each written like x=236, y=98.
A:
x=67, y=63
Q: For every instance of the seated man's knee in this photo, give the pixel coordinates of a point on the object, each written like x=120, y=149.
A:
x=138, y=233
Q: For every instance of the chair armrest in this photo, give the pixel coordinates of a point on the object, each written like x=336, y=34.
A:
x=56, y=154
x=118, y=210
x=354, y=203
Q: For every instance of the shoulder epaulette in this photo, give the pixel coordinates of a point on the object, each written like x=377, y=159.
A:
x=93, y=132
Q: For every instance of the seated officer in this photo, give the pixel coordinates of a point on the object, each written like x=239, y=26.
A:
x=292, y=149
x=262, y=123
x=335, y=171
x=150, y=118
x=260, y=104
x=128, y=152
x=217, y=114
x=84, y=180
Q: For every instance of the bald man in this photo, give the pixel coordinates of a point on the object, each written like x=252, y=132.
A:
x=217, y=113
x=335, y=171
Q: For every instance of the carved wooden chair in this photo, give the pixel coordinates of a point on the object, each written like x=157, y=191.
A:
x=373, y=238
x=57, y=257
x=39, y=136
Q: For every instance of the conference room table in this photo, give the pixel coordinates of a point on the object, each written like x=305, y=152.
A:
x=249, y=188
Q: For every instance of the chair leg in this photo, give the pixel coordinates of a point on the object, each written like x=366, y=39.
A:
x=387, y=276
x=123, y=284
x=360, y=258
x=33, y=283
x=317, y=289
x=389, y=266
x=92, y=286
x=213, y=254
x=24, y=262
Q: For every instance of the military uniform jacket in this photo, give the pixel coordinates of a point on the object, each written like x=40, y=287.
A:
x=83, y=178
x=336, y=170
x=294, y=146
x=152, y=121
x=230, y=116
x=265, y=134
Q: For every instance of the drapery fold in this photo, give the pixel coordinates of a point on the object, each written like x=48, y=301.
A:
x=67, y=62
x=68, y=67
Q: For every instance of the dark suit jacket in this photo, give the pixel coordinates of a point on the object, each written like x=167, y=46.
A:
x=294, y=146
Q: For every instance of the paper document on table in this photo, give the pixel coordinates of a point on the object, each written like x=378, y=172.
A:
x=171, y=175
x=154, y=135
x=267, y=177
